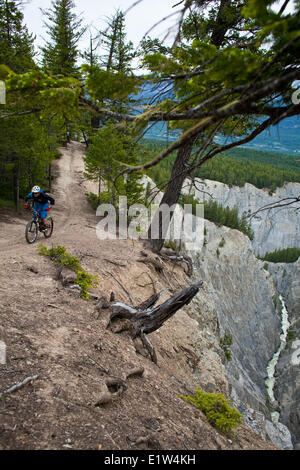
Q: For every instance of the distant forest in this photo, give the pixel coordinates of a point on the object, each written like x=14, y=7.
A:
x=287, y=255
x=236, y=167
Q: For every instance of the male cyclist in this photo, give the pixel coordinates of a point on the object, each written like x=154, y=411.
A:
x=41, y=203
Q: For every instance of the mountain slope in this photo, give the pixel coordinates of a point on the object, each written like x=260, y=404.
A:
x=51, y=332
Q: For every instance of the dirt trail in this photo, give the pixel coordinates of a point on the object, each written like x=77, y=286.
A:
x=51, y=332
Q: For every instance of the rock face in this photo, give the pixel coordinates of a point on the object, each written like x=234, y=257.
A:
x=243, y=294
x=287, y=386
x=239, y=303
x=272, y=230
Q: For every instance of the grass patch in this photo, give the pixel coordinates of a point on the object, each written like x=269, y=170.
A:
x=7, y=204
x=59, y=255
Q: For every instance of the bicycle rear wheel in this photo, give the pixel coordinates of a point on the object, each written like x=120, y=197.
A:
x=31, y=232
x=49, y=225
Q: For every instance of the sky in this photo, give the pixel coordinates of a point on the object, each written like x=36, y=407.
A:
x=139, y=19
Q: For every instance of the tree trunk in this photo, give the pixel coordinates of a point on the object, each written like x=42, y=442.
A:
x=171, y=196
x=99, y=187
x=49, y=177
x=86, y=140
x=222, y=24
x=16, y=183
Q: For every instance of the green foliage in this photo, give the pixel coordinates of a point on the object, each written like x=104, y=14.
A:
x=225, y=344
x=61, y=257
x=111, y=148
x=113, y=88
x=85, y=281
x=172, y=245
x=286, y=255
x=266, y=266
x=218, y=252
x=235, y=167
x=109, y=79
x=93, y=199
x=119, y=52
x=291, y=336
x=64, y=29
x=220, y=215
x=216, y=409
x=26, y=146
x=16, y=44
x=26, y=150
x=6, y=204
x=222, y=242
x=238, y=172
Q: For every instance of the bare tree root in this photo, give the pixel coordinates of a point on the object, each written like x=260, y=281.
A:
x=146, y=318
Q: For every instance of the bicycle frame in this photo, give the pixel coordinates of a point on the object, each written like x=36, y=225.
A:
x=36, y=221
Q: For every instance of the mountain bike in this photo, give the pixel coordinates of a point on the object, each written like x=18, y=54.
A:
x=34, y=227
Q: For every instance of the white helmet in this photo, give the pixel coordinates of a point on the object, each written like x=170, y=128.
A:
x=36, y=189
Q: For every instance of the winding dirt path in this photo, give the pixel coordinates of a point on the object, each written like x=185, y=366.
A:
x=71, y=209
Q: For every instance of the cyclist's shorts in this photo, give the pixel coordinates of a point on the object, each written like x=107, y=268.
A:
x=41, y=209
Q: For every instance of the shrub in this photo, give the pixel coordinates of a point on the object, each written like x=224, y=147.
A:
x=85, y=281
x=291, y=336
x=7, y=204
x=60, y=256
x=222, y=242
x=172, y=245
x=216, y=409
x=225, y=343
x=93, y=199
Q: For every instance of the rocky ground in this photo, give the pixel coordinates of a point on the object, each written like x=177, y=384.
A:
x=52, y=333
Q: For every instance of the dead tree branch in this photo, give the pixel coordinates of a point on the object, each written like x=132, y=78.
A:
x=285, y=202
x=146, y=318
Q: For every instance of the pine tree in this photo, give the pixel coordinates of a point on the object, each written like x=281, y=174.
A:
x=64, y=29
x=119, y=52
x=25, y=154
x=90, y=55
x=16, y=44
x=99, y=165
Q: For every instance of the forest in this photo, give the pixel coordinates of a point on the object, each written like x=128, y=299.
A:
x=231, y=71
x=235, y=167
x=287, y=255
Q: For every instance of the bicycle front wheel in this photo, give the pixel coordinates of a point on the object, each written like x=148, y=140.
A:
x=49, y=225
x=31, y=232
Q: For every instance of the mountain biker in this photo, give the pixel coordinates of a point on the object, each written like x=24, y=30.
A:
x=41, y=203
